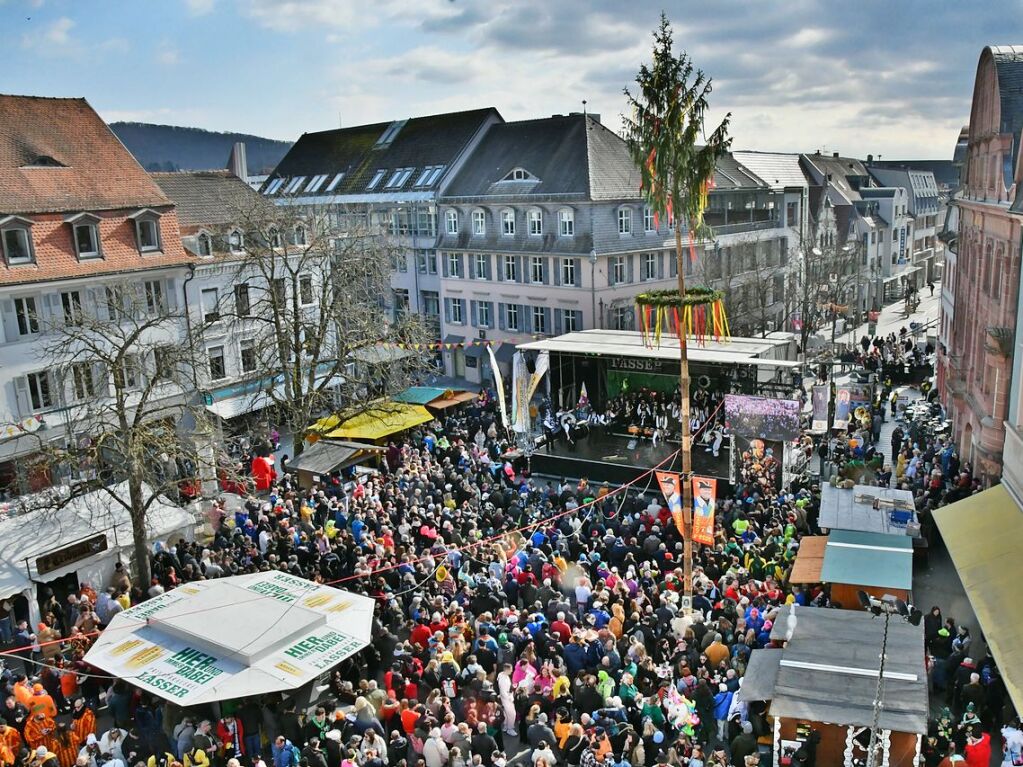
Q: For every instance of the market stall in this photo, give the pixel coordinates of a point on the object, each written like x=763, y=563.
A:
x=49, y=542
x=372, y=424
x=824, y=678
x=326, y=457
x=234, y=637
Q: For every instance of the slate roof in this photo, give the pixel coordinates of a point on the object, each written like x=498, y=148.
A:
x=777, y=169
x=729, y=174
x=946, y=172
x=211, y=198
x=57, y=155
x=420, y=142
x=1008, y=61
x=553, y=149
x=842, y=169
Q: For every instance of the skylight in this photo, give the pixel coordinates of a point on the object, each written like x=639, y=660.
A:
x=389, y=135
x=377, y=178
x=274, y=185
x=334, y=182
x=399, y=178
x=316, y=182
x=294, y=185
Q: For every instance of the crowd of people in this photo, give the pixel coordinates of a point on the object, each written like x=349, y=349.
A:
x=518, y=620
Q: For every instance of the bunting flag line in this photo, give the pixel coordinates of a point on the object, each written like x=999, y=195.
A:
x=445, y=345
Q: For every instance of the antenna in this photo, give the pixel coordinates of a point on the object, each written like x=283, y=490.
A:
x=584, y=108
x=339, y=123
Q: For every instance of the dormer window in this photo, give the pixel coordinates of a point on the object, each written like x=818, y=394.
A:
x=508, y=221
x=519, y=174
x=147, y=230
x=625, y=221
x=16, y=240
x=85, y=235
x=377, y=178
x=236, y=241
x=300, y=238
x=451, y=221
x=204, y=244
x=275, y=239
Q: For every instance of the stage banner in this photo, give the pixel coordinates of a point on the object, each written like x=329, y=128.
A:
x=499, y=383
x=757, y=462
x=821, y=395
x=520, y=394
x=543, y=364
x=671, y=488
x=704, y=503
x=772, y=419
x=860, y=394
x=843, y=407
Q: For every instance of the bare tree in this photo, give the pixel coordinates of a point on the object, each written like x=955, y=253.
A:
x=312, y=299
x=745, y=270
x=823, y=285
x=122, y=368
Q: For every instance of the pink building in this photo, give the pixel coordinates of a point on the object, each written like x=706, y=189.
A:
x=978, y=360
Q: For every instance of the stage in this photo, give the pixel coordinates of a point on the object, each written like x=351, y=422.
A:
x=604, y=457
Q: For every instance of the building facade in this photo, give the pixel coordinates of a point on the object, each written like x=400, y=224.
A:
x=981, y=352
x=87, y=237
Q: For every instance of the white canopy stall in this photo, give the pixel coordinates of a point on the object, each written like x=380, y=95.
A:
x=234, y=637
x=43, y=538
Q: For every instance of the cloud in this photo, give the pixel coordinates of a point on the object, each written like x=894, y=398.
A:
x=57, y=34
x=167, y=54
x=200, y=7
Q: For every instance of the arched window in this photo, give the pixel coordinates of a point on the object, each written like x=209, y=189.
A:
x=300, y=235
x=508, y=221
x=479, y=223
x=451, y=222
x=535, y=217
x=204, y=244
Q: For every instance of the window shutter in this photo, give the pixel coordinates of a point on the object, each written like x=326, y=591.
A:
x=521, y=272
x=21, y=395
x=444, y=264
x=10, y=320
x=630, y=269
x=660, y=266
x=547, y=264
x=51, y=312
x=101, y=379
x=488, y=272
x=170, y=295
x=611, y=271
x=474, y=313
x=556, y=267
x=577, y=270
x=447, y=310
x=502, y=323
x=548, y=324
x=557, y=321
x=525, y=318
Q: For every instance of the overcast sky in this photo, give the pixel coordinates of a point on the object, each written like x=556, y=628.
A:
x=889, y=78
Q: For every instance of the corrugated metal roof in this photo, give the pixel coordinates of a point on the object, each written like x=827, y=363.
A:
x=778, y=170
x=868, y=559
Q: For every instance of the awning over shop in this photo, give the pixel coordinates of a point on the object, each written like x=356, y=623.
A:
x=325, y=456
x=475, y=350
x=451, y=338
x=761, y=675
x=35, y=544
x=456, y=398
x=234, y=637
x=421, y=395
x=376, y=422
x=983, y=534
x=809, y=560
x=868, y=559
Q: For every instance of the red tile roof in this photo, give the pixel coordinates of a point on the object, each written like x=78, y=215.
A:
x=58, y=155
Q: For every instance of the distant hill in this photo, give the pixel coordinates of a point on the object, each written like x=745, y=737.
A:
x=170, y=147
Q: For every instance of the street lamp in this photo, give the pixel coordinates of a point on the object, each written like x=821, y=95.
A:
x=886, y=606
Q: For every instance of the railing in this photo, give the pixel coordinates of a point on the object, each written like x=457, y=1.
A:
x=744, y=226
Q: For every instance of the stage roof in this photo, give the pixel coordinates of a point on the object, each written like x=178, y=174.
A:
x=827, y=670
x=233, y=637
x=629, y=343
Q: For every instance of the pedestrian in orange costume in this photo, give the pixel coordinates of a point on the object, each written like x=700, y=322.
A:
x=83, y=720
x=10, y=745
x=38, y=730
x=41, y=702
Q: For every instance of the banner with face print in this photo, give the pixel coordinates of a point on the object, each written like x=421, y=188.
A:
x=704, y=505
x=821, y=395
x=671, y=488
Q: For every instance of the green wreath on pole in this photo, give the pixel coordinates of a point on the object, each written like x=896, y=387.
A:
x=701, y=312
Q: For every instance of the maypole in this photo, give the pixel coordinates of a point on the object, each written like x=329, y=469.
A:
x=676, y=175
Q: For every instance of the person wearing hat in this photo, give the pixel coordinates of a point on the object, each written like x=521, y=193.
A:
x=43, y=757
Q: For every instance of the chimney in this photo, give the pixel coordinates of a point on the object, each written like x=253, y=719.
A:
x=834, y=154
x=237, y=162
x=870, y=158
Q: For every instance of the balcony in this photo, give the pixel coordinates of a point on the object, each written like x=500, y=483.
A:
x=743, y=226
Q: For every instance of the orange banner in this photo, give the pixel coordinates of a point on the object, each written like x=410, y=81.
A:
x=671, y=487
x=704, y=501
